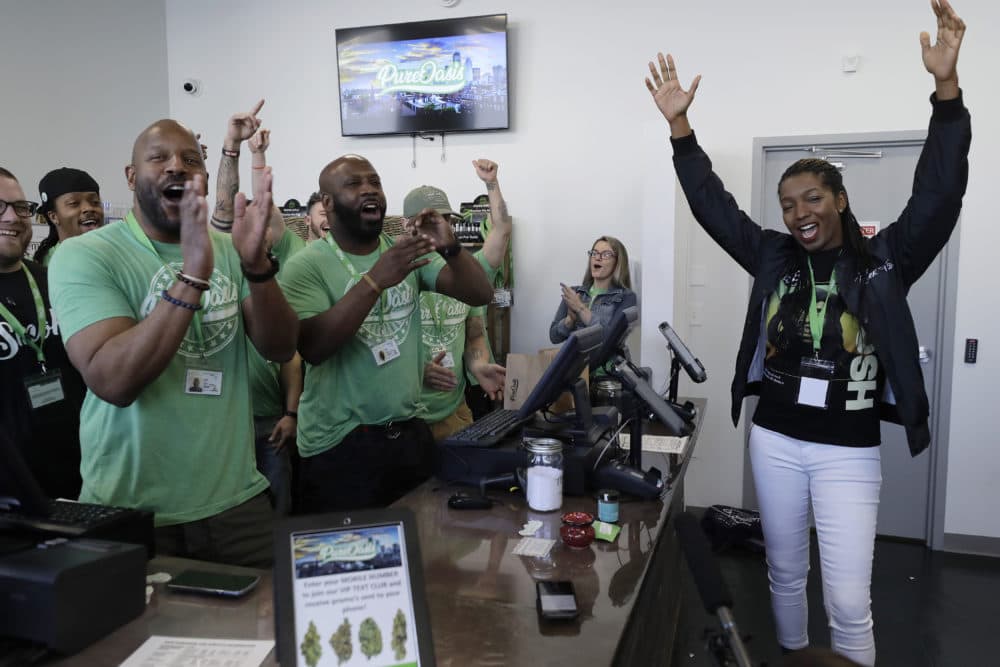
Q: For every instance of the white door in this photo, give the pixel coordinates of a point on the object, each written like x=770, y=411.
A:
x=878, y=176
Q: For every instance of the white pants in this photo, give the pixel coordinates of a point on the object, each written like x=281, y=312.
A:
x=844, y=484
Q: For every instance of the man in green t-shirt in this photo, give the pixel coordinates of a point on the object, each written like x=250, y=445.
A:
x=357, y=297
x=147, y=306
x=454, y=335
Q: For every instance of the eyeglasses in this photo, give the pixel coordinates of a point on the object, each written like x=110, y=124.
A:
x=602, y=254
x=24, y=209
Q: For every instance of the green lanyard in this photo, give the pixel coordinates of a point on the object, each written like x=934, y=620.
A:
x=383, y=245
x=39, y=314
x=144, y=241
x=817, y=313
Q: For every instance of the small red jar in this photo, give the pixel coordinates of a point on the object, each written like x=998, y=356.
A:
x=577, y=530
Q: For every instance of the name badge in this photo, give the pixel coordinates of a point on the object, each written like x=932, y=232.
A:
x=44, y=389
x=814, y=382
x=203, y=382
x=385, y=352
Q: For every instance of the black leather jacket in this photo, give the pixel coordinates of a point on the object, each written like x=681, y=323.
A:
x=902, y=252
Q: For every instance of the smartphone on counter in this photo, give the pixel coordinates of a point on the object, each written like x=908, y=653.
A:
x=556, y=600
x=213, y=583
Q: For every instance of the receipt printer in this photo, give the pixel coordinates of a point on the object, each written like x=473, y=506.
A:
x=67, y=594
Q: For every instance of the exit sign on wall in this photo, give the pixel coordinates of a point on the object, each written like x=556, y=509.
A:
x=869, y=228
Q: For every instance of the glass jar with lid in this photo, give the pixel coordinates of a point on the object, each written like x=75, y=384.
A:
x=544, y=474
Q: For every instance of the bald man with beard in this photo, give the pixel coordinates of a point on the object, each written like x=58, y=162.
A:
x=150, y=306
x=357, y=295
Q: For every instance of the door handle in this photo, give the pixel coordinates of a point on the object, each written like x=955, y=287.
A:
x=924, y=354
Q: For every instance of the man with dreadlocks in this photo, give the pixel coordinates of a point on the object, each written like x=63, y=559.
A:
x=837, y=339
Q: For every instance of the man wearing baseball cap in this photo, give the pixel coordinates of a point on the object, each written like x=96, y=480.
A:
x=71, y=205
x=453, y=338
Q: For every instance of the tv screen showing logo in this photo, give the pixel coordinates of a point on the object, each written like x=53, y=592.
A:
x=429, y=76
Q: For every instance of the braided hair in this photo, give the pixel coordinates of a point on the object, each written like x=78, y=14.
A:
x=49, y=242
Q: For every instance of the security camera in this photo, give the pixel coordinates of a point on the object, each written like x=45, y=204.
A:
x=191, y=86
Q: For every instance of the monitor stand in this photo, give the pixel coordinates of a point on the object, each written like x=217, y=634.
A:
x=582, y=427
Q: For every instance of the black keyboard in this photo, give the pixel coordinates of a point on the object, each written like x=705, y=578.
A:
x=65, y=518
x=488, y=431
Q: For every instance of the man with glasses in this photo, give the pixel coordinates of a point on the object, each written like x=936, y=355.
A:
x=454, y=341
x=40, y=391
x=357, y=296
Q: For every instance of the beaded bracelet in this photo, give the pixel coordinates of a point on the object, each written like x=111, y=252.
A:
x=196, y=283
x=177, y=302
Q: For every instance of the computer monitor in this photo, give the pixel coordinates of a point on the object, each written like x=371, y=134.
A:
x=564, y=371
x=615, y=333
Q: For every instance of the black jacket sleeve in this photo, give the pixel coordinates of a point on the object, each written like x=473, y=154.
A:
x=713, y=207
x=939, y=182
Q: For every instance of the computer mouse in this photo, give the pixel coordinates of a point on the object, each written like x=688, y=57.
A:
x=461, y=501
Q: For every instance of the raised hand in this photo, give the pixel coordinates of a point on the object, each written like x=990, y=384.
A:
x=250, y=225
x=433, y=226
x=486, y=170
x=196, y=246
x=242, y=126
x=941, y=58
x=400, y=260
x=437, y=376
x=672, y=100
x=260, y=141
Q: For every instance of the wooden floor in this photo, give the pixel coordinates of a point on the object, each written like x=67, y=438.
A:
x=930, y=609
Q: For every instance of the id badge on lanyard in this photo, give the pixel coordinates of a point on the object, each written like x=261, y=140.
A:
x=202, y=377
x=385, y=352
x=814, y=382
x=44, y=388
x=815, y=374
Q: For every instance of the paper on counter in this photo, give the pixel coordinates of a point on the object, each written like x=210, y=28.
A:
x=536, y=547
x=664, y=444
x=159, y=651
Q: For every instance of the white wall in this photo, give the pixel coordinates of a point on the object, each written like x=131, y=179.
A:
x=587, y=154
x=80, y=81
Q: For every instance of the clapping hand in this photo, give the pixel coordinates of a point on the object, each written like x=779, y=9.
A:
x=434, y=227
x=250, y=225
x=574, y=304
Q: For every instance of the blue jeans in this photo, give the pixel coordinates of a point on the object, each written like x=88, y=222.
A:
x=276, y=466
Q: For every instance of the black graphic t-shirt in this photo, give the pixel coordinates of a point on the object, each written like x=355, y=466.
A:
x=49, y=436
x=851, y=416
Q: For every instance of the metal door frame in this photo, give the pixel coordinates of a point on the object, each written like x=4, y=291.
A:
x=940, y=418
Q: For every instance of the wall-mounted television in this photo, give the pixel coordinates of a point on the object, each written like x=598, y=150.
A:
x=426, y=76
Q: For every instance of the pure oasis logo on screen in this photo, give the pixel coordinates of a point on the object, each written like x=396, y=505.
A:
x=429, y=77
x=349, y=548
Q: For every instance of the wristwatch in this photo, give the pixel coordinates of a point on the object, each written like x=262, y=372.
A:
x=451, y=251
x=262, y=277
x=292, y=413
